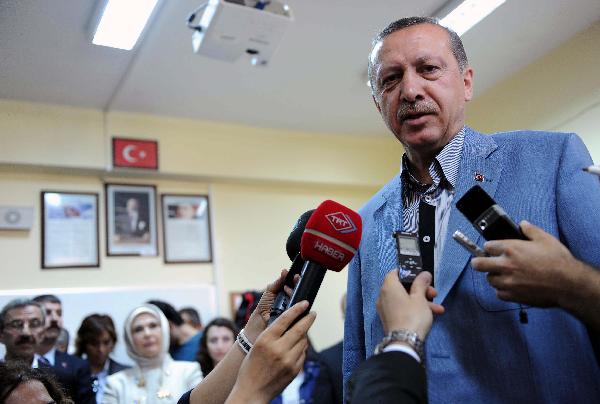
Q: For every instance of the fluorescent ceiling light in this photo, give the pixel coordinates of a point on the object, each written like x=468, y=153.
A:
x=122, y=22
x=469, y=13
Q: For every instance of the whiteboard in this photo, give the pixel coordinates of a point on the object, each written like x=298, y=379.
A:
x=78, y=303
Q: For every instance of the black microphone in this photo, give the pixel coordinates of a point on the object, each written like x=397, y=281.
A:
x=487, y=216
x=329, y=242
x=292, y=248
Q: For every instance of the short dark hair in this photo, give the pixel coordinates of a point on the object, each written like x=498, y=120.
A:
x=193, y=314
x=169, y=311
x=90, y=330
x=206, y=362
x=47, y=299
x=12, y=374
x=16, y=304
x=458, y=50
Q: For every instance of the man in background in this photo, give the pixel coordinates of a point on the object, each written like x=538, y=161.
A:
x=185, y=339
x=62, y=343
x=21, y=326
x=72, y=372
x=332, y=359
x=191, y=316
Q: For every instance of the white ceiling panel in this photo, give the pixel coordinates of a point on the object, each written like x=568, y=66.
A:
x=314, y=82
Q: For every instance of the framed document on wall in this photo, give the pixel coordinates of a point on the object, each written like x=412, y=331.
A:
x=186, y=228
x=131, y=220
x=69, y=229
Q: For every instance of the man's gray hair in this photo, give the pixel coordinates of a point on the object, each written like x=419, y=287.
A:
x=17, y=304
x=458, y=50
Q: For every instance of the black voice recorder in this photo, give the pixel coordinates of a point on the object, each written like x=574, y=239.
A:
x=487, y=216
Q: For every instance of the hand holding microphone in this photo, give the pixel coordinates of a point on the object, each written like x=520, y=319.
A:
x=292, y=248
x=276, y=358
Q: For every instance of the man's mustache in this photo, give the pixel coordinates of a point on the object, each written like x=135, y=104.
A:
x=408, y=109
x=53, y=325
x=25, y=340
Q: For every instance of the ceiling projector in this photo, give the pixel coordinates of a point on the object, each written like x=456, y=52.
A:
x=228, y=29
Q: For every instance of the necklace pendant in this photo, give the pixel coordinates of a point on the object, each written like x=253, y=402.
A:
x=141, y=382
x=163, y=394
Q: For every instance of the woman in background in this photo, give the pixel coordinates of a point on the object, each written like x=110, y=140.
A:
x=219, y=336
x=95, y=341
x=156, y=377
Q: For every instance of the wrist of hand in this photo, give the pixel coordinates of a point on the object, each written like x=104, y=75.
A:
x=575, y=287
x=255, y=326
x=245, y=395
x=403, y=336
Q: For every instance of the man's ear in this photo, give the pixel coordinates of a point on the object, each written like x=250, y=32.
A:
x=468, y=83
x=376, y=104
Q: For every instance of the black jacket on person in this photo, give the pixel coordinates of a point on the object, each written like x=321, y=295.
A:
x=390, y=377
x=114, y=366
x=332, y=361
x=73, y=374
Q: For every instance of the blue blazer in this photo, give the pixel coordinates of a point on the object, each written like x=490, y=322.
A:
x=479, y=351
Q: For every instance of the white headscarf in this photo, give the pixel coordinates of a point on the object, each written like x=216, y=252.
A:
x=142, y=361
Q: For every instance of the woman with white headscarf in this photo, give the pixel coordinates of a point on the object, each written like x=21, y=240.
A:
x=156, y=377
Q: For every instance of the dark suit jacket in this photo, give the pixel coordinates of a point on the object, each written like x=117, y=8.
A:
x=114, y=366
x=73, y=374
x=331, y=358
x=390, y=377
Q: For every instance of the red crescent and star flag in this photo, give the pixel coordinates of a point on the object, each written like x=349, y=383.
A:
x=135, y=153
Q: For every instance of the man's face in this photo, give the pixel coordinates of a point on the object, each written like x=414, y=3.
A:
x=22, y=331
x=54, y=321
x=132, y=205
x=419, y=89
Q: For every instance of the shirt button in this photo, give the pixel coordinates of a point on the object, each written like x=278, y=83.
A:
x=426, y=239
x=427, y=198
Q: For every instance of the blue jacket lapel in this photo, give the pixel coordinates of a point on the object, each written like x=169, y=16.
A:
x=387, y=218
x=477, y=157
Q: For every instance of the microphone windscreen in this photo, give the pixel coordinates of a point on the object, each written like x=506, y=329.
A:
x=292, y=246
x=332, y=236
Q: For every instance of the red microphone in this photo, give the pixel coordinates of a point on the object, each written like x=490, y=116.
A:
x=329, y=241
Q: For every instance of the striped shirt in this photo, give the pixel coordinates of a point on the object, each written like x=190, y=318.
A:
x=440, y=193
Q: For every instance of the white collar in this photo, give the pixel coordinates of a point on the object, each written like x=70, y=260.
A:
x=51, y=356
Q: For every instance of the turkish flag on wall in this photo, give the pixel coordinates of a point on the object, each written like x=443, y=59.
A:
x=135, y=153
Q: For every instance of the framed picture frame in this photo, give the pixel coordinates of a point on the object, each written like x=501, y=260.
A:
x=186, y=228
x=131, y=220
x=69, y=230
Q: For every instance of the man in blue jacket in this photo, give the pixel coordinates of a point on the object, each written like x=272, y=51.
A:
x=72, y=373
x=483, y=349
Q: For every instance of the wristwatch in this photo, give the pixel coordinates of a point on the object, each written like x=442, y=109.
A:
x=402, y=335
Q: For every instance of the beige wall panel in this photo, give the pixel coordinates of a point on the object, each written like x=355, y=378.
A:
x=222, y=151
x=556, y=92
x=252, y=227
x=41, y=134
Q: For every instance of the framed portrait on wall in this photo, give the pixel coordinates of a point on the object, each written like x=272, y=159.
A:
x=186, y=228
x=69, y=230
x=131, y=220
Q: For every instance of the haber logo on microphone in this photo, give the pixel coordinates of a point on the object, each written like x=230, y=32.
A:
x=328, y=250
x=341, y=222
